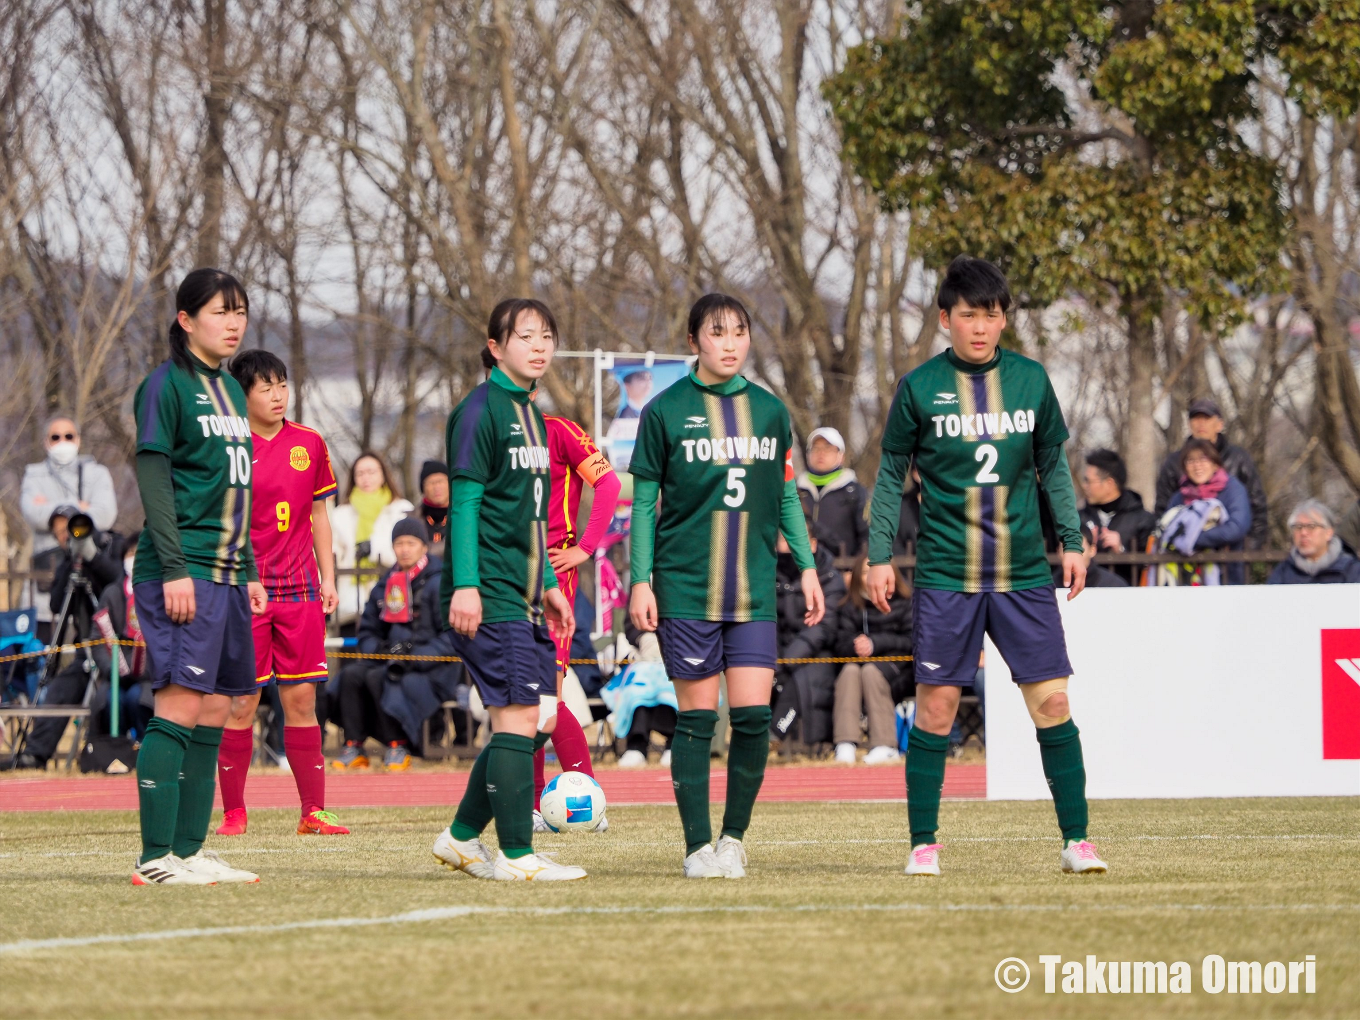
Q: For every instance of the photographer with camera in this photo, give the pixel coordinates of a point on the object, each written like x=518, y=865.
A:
x=389, y=700
x=62, y=479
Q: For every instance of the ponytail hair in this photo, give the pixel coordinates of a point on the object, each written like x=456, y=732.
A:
x=196, y=290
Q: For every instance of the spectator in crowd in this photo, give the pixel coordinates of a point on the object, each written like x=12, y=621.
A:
x=1097, y=576
x=870, y=690
x=1120, y=521
x=642, y=701
x=1316, y=555
x=114, y=618
x=1204, y=478
x=390, y=699
x=588, y=675
x=1206, y=423
x=805, y=693
x=434, y=502
x=361, y=530
x=63, y=478
x=832, y=496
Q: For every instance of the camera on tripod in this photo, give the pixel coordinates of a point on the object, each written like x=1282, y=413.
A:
x=82, y=536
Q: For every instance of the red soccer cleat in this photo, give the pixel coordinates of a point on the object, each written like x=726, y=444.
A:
x=321, y=823
x=234, y=824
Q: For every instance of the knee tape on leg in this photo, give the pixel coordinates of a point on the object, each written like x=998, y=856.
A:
x=547, y=712
x=1036, y=695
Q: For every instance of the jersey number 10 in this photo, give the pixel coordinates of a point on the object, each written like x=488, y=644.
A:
x=238, y=458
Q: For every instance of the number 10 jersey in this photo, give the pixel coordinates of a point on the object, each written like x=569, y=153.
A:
x=721, y=460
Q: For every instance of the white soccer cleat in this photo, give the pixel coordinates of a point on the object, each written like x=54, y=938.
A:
x=1080, y=857
x=603, y=826
x=925, y=860
x=703, y=863
x=539, y=824
x=168, y=870
x=469, y=856
x=210, y=863
x=845, y=753
x=632, y=759
x=881, y=755
x=731, y=857
x=534, y=868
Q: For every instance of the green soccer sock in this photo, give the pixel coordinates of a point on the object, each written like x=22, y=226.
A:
x=197, y=784
x=474, y=810
x=159, y=762
x=510, y=786
x=689, y=775
x=746, y=760
x=541, y=741
x=925, y=778
x=1060, y=749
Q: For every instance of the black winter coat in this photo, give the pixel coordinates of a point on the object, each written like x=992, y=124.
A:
x=424, y=633
x=838, y=512
x=797, y=641
x=1096, y=577
x=1238, y=463
x=891, y=634
x=1345, y=570
x=1127, y=517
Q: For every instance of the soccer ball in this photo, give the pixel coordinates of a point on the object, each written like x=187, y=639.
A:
x=572, y=802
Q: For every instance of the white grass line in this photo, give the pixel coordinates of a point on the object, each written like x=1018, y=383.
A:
x=451, y=913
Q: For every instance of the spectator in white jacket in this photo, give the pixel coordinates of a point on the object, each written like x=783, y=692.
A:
x=361, y=530
x=63, y=478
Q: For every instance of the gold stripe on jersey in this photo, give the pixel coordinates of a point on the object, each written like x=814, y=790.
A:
x=741, y=604
x=234, y=530
x=972, y=515
x=1002, y=518
x=717, y=562
x=717, y=424
x=741, y=410
x=533, y=581
x=963, y=384
x=992, y=380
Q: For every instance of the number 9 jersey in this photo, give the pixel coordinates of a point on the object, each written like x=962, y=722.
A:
x=496, y=437
x=721, y=460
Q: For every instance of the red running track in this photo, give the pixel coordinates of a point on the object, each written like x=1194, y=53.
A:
x=442, y=789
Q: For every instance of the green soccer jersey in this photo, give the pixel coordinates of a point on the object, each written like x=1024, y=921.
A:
x=198, y=419
x=496, y=438
x=981, y=437
x=721, y=459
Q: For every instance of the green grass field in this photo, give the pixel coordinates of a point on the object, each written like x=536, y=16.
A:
x=825, y=926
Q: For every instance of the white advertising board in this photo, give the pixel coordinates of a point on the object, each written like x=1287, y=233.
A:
x=1196, y=692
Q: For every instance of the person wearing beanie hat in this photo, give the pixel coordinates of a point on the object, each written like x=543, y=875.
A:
x=832, y=496
x=409, y=527
x=434, y=502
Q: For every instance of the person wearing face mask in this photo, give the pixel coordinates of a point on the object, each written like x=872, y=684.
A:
x=62, y=478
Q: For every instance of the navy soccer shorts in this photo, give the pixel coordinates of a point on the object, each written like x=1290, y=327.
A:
x=948, y=628
x=214, y=653
x=696, y=649
x=513, y=662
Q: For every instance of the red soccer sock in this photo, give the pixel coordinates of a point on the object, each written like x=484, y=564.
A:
x=233, y=763
x=302, y=745
x=573, y=753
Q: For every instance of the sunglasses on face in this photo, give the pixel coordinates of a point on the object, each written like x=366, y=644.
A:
x=57, y=437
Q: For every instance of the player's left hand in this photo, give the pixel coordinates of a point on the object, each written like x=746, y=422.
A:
x=330, y=598
x=566, y=559
x=1074, y=574
x=812, y=594
x=259, y=598
x=561, y=620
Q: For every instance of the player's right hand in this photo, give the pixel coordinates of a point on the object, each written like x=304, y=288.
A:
x=465, y=611
x=642, y=606
x=179, y=600
x=882, y=584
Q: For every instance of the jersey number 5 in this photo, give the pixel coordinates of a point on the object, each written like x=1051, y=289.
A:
x=737, y=494
x=238, y=459
x=987, y=456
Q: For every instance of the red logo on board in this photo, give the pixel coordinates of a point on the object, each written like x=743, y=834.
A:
x=1341, y=694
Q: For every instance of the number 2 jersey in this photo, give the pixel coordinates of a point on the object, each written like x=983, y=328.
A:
x=721, y=460
x=290, y=472
x=978, y=434
x=198, y=419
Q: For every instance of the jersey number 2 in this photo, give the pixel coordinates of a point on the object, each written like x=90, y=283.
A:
x=987, y=456
x=238, y=459
x=737, y=496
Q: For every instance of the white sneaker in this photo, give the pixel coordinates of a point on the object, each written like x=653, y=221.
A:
x=666, y=757
x=731, y=856
x=534, y=868
x=539, y=824
x=210, y=863
x=632, y=759
x=845, y=753
x=925, y=860
x=881, y=755
x=471, y=856
x=703, y=863
x=168, y=870
x=1079, y=857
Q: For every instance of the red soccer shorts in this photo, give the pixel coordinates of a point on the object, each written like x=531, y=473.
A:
x=567, y=583
x=290, y=643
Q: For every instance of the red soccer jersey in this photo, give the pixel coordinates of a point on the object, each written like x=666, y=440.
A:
x=575, y=461
x=290, y=471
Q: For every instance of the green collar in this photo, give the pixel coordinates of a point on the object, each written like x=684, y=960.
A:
x=968, y=367
x=201, y=365
x=734, y=385
x=519, y=393
x=826, y=479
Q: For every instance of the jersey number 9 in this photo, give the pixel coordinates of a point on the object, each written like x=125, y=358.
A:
x=284, y=513
x=538, y=497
